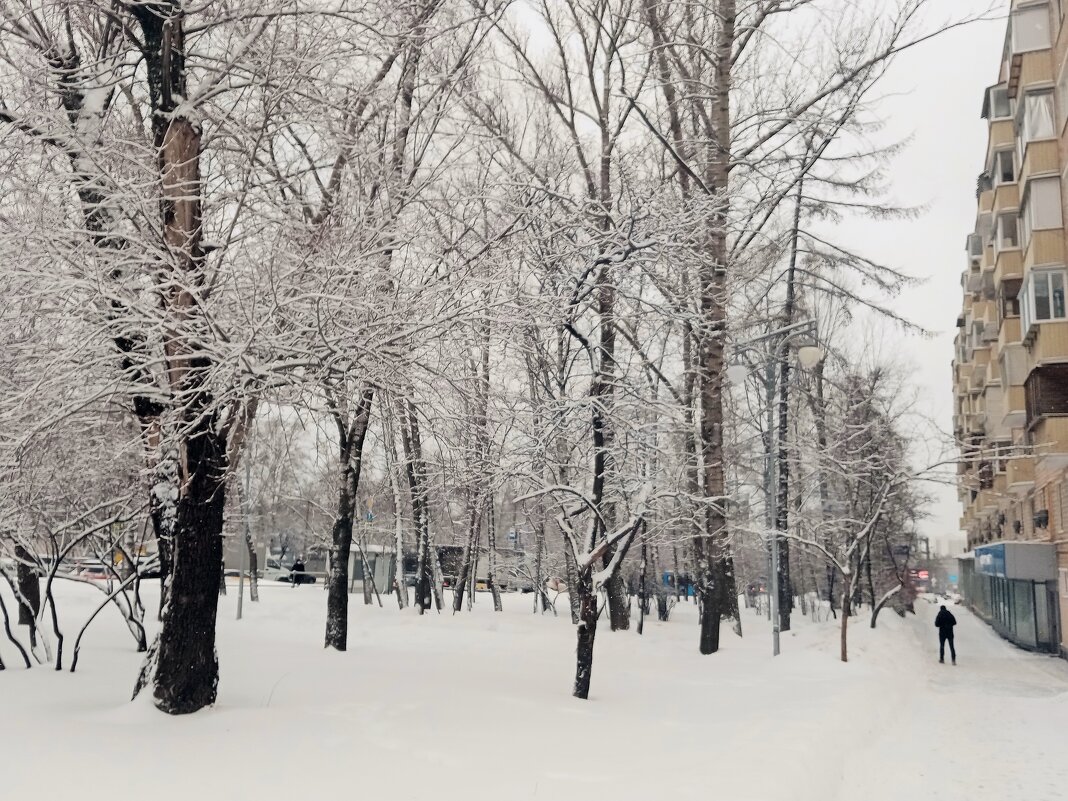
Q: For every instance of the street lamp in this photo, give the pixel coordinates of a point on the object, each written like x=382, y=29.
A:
x=809, y=357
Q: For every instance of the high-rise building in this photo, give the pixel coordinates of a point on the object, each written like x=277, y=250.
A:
x=1010, y=371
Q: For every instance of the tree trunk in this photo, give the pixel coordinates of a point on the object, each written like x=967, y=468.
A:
x=618, y=601
x=572, y=584
x=29, y=585
x=541, y=601
x=641, y=589
x=186, y=669
x=782, y=521
x=586, y=632
x=351, y=435
x=491, y=556
x=847, y=598
x=337, y=580
x=878, y=606
x=253, y=568
x=416, y=473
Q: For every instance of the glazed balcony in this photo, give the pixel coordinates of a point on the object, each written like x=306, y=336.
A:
x=1045, y=247
x=1041, y=158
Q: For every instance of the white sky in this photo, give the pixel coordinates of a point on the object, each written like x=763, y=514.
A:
x=934, y=95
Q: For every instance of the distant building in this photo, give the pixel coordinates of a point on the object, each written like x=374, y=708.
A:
x=1010, y=372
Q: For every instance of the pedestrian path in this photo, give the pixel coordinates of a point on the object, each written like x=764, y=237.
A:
x=995, y=726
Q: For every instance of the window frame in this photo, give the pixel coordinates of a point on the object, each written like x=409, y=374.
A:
x=992, y=105
x=1028, y=305
x=1028, y=210
x=995, y=170
x=1023, y=137
x=998, y=244
x=1028, y=11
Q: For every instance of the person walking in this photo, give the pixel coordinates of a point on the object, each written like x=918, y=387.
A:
x=944, y=622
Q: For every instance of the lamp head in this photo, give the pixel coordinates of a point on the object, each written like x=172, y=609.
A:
x=810, y=356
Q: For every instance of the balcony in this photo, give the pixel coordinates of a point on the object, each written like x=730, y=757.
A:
x=1029, y=68
x=1048, y=342
x=1009, y=333
x=1041, y=158
x=986, y=201
x=1001, y=136
x=1008, y=264
x=1020, y=474
x=1045, y=247
x=1049, y=438
x=1014, y=400
x=1006, y=198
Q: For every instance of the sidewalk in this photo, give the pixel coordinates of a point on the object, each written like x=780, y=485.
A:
x=995, y=726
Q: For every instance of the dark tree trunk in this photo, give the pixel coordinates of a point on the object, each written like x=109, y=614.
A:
x=587, y=631
x=711, y=614
x=186, y=669
x=474, y=525
x=618, y=602
x=846, y=611
x=641, y=589
x=29, y=585
x=782, y=521
x=350, y=462
x=337, y=580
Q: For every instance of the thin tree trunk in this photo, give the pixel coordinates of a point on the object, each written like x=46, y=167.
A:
x=572, y=584
x=491, y=556
x=847, y=598
x=782, y=521
x=641, y=589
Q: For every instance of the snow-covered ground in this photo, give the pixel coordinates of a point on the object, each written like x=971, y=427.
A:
x=477, y=706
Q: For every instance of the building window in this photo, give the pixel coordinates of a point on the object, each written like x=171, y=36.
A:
x=1041, y=206
x=1008, y=231
x=1004, y=167
x=1009, y=295
x=1034, y=120
x=1042, y=297
x=999, y=104
x=1030, y=29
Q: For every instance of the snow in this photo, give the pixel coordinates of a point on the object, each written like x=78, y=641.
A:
x=477, y=705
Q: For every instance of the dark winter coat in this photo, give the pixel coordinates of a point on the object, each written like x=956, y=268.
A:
x=945, y=621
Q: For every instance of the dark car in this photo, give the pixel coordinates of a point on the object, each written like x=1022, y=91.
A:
x=297, y=578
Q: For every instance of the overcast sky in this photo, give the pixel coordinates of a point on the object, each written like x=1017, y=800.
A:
x=934, y=95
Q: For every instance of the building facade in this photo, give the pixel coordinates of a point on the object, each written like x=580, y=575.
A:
x=1010, y=371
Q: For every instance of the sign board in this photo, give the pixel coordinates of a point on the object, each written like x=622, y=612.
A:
x=990, y=560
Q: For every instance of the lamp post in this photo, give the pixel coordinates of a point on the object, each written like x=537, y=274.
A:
x=808, y=356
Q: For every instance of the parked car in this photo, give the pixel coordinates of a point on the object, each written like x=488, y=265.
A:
x=94, y=572
x=299, y=578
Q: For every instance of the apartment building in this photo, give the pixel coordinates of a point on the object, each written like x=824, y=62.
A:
x=1010, y=371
